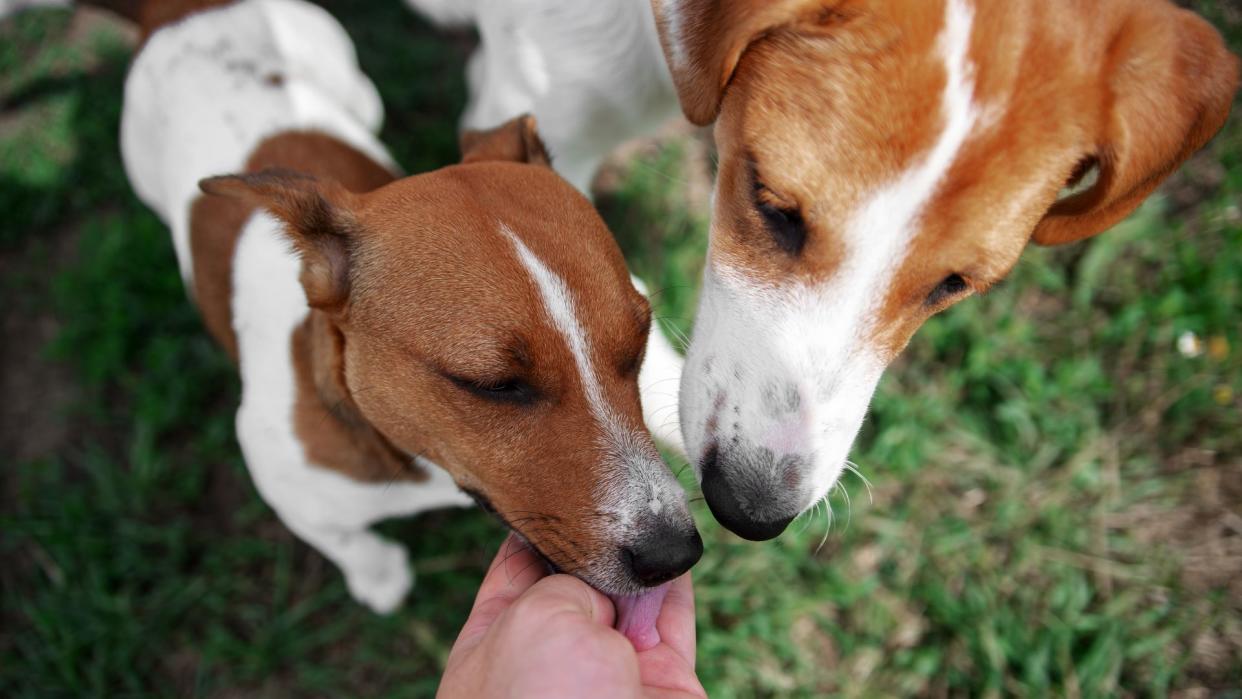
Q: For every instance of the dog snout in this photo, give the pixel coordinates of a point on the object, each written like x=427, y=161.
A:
x=663, y=555
x=751, y=491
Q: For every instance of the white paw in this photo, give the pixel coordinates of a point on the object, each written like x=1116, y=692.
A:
x=384, y=582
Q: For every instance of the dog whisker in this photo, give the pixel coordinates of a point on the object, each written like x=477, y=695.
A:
x=828, y=528
x=857, y=471
x=849, y=506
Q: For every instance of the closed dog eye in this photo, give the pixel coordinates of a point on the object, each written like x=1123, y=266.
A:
x=782, y=219
x=630, y=366
x=948, y=289
x=786, y=226
x=508, y=390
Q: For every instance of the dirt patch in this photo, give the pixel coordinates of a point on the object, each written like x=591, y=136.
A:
x=1204, y=533
x=38, y=391
x=1209, y=533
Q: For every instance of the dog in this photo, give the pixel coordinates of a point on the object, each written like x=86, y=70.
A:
x=879, y=161
x=403, y=343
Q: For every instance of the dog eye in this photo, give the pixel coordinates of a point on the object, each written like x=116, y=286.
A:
x=633, y=363
x=951, y=286
x=512, y=390
x=786, y=225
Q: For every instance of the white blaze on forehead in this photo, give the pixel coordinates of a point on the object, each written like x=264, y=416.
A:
x=559, y=304
x=839, y=314
x=818, y=336
x=647, y=472
x=878, y=235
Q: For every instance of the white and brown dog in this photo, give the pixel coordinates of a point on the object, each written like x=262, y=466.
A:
x=400, y=340
x=880, y=160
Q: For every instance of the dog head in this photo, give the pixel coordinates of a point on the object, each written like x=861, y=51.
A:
x=486, y=323
x=881, y=160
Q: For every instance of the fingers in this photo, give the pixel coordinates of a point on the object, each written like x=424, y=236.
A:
x=668, y=669
x=534, y=606
x=514, y=569
x=676, y=622
x=512, y=572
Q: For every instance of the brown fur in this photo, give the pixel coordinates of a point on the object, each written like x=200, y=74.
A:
x=326, y=420
x=519, y=143
x=510, y=453
x=215, y=224
x=412, y=283
x=835, y=99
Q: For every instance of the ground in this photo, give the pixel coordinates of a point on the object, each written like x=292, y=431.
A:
x=1055, y=468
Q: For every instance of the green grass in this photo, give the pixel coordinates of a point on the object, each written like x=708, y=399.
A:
x=1053, y=483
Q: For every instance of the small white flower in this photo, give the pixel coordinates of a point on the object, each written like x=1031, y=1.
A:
x=1189, y=344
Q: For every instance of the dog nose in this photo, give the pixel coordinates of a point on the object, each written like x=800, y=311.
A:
x=660, y=557
x=754, y=512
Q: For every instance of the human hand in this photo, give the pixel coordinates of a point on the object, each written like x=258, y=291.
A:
x=531, y=634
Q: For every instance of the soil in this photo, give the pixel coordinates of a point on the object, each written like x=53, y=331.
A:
x=38, y=391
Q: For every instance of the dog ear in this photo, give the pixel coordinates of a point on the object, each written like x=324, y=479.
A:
x=317, y=219
x=703, y=41
x=1168, y=86
x=516, y=140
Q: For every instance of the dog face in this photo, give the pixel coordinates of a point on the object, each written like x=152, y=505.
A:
x=487, y=323
x=879, y=162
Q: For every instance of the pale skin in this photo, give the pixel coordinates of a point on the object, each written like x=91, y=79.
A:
x=531, y=634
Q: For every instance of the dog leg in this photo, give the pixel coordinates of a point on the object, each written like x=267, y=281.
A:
x=377, y=572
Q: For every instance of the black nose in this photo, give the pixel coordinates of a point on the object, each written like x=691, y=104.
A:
x=727, y=507
x=658, y=558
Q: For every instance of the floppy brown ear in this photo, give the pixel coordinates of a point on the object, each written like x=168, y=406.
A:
x=703, y=41
x=317, y=221
x=516, y=140
x=1170, y=82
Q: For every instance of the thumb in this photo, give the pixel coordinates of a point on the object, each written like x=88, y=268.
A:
x=560, y=596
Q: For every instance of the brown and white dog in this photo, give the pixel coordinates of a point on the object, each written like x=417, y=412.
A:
x=400, y=340
x=880, y=160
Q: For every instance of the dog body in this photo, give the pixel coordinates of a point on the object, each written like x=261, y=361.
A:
x=591, y=73
x=200, y=98
x=879, y=161
x=203, y=94
x=400, y=340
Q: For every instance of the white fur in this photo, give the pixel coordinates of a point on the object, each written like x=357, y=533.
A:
x=592, y=73
x=197, y=102
x=641, y=479
x=199, y=98
x=658, y=382
x=328, y=510
x=753, y=341
x=558, y=303
x=449, y=12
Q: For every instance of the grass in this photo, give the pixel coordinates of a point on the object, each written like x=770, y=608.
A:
x=1055, y=487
